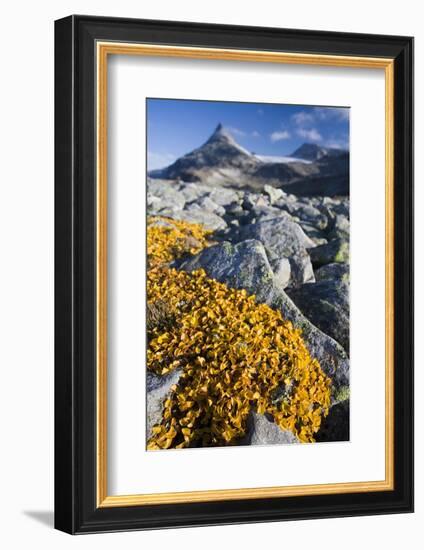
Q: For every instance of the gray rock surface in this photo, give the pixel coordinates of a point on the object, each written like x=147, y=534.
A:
x=340, y=206
x=157, y=390
x=326, y=305
x=317, y=236
x=273, y=193
x=336, y=271
x=206, y=203
x=244, y=265
x=163, y=198
x=263, y=431
x=251, y=200
x=264, y=213
x=235, y=210
x=193, y=191
x=197, y=215
x=224, y=196
x=336, y=250
x=282, y=271
x=340, y=228
x=311, y=215
x=283, y=238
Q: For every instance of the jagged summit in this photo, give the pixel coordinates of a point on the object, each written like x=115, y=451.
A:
x=219, y=130
x=314, y=152
x=223, y=136
x=220, y=134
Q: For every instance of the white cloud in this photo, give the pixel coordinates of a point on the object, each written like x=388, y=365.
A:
x=302, y=117
x=159, y=160
x=342, y=113
x=280, y=135
x=305, y=118
x=334, y=113
x=310, y=135
x=337, y=144
x=236, y=132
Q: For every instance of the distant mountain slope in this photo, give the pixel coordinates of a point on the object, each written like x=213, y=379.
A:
x=314, y=152
x=310, y=170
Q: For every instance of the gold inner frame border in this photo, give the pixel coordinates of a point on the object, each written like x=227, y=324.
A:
x=103, y=50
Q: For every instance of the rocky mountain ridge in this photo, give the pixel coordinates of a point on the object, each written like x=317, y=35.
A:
x=311, y=170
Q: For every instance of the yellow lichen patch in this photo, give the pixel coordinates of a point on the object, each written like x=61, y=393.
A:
x=235, y=355
x=169, y=239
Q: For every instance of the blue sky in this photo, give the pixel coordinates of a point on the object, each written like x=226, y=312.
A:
x=175, y=127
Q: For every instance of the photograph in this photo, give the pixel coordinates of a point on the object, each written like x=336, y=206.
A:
x=233, y=260
x=247, y=273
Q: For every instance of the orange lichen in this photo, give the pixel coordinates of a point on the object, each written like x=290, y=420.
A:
x=235, y=355
x=170, y=239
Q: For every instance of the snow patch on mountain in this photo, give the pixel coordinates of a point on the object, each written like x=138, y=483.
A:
x=283, y=160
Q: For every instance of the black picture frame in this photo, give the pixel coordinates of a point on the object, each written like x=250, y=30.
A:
x=76, y=509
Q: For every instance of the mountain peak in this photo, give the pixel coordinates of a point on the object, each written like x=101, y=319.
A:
x=314, y=152
x=309, y=151
x=220, y=151
x=223, y=139
x=220, y=133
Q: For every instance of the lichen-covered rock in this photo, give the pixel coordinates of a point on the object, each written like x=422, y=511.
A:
x=158, y=388
x=245, y=266
x=326, y=305
x=283, y=238
x=272, y=230
x=340, y=228
x=336, y=250
x=263, y=431
x=334, y=271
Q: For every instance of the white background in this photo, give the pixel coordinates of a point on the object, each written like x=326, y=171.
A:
x=26, y=289
x=132, y=469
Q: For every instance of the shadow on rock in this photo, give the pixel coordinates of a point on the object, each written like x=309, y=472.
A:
x=336, y=426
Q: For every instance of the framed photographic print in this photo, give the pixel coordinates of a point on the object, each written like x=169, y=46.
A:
x=234, y=274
